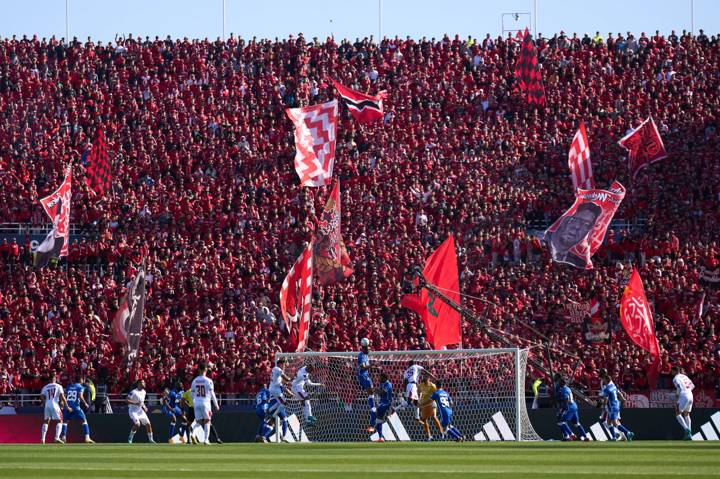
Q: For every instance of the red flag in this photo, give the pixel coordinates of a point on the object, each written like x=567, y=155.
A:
x=296, y=298
x=57, y=207
x=527, y=72
x=364, y=108
x=315, y=128
x=331, y=260
x=644, y=146
x=98, y=171
x=442, y=322
x=638, y=322
x=579, y=161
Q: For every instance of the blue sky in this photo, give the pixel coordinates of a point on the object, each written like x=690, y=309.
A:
x=102, y=19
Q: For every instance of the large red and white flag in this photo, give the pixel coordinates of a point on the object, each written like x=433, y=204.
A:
x=364, y=108
x=57, y=207
x=296, y=298
x=331, y=260
x=579, y=161
x=644, y=145
x=637, y=320
x=315, y=131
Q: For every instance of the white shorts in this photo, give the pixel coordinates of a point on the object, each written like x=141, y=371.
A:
x=411, y=392
x=202, y=411
x=277, y=392
x=685, y=403
x=299, y=392
x=53, y=413
x=139, y=418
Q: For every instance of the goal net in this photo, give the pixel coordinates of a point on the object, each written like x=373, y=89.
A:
x=487, y=388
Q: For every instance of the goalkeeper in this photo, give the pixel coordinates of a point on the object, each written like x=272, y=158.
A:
x=428, y=410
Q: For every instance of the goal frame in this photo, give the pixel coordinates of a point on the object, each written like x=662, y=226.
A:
x=519, y=375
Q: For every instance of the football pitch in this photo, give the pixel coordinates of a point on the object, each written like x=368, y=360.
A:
x=379, y=461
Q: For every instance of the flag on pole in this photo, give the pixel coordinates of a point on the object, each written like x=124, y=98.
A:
x=527, y=71
x=638, y=322
x=364, y=108
x=579, y=161
x=98, y=171
x=57, y=206
x=315, y=130
x=128, y=321
x=296, y=298
x=644, y=145
x=442, y=322
x=330, y=257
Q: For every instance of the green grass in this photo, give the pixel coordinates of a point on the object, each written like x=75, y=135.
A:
x=379, y=461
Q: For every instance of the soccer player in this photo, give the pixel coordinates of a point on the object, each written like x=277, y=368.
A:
x=365, y=381
x=302, y=379
x=384, y=408
x=276, y=409
x=203, y=400
x=54, y=397
x=171, y=408
x=277, y=376
x=567, y=411
x=138, y=412
x=612, y=395
x=73, y=410
x=411, y=377
x=186, y=403
x=444, y=405
x=684, y=389
x=428, y=409
x=262, y=398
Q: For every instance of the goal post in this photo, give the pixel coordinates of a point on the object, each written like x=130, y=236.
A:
x=487, y=387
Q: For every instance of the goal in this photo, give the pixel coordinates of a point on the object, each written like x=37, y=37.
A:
x=487, y=387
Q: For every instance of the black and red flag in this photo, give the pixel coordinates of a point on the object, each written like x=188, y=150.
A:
x=331, y=260
x=527, y=71
x=98, y=171
x=364, y=108
x=57, y=206
x=644, y=146
x=128, y=321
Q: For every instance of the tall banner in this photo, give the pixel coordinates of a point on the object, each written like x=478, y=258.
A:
x=57, y=206
x=364, y=108
x=644, y=145
x=638, y=322
x=98, y=171
x=595, y=329
x=315, y=130
x=578, y=233
x=330, y=258
x=128, y=321
x=527, y=71
x=579, y=161
x=442, y=322
x=296, y=298
x=710, y=276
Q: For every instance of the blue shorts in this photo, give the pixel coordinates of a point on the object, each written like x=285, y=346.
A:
x=570, y=415
x=261, y=411
x=365, y=381
x=77, y=413
x=383, y=411
x=613, y=413
x=176, y=411
x=446, y=417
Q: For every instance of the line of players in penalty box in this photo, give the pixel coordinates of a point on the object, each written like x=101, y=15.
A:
x=423, y=392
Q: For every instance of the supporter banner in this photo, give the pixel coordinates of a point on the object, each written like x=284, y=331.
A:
x=98, y=171
x=580, y=231
x=57, y=207
x=527, y=72
x=710, y=276
x=596, y=330
x=296, y=298
x=442, y=322
x=128, y=322
x=330, y=257
x=576, y=312
x=364, y=108
x=579, y=161
x=315, y=129
x=644, y=145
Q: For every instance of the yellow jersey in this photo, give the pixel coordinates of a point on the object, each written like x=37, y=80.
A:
x=187, y=396
x=426, y=389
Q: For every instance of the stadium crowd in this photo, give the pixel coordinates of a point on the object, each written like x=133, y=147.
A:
x=204, y=188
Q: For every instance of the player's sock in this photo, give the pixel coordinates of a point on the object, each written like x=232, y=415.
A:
x=86, y=430
x=132, y=435
x=613, y=432
x=58, y=430
x=688, y=423
x=307, y=409
x=417, y=413
x=373, y=411
x=378, y=428
x=567, y=432
x=64, y=430
x=681, y=420
x=284, y=428
x=624, y=430
x=266, y=431
x=181, y=429
x=44, y=430
x=171, y=432
x=581, y=430
x=454, y=433
x=206, y=430
x=150, y=437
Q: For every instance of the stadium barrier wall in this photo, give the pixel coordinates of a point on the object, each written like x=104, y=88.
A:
x=647, y=424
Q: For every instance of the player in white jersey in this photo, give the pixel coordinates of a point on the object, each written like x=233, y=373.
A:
x=684, y=389
x=203, y=392
x=277, y=376
x=411, y=378
x=53, y=396
x=138, y=412
x=302, y=379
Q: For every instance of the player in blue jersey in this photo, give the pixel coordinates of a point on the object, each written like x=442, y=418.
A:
x=262, y=399
x=444, y=407
x=171, y=408
x=384, y=407
x=365, y=381
x=611, y=396
x=75, y=401
x=567, y=411
x=276, y=409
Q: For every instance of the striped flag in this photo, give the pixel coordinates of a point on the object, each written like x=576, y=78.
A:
x=98, y=171
x=315, y=129
x=364, y=108
x=296, y=297
x=579, y=161
x=527, y=72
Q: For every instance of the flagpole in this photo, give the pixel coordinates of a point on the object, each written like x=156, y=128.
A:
x=379, y=22
x=67, y=22
x=692, y=17
x=535, y=32
x=223, y=20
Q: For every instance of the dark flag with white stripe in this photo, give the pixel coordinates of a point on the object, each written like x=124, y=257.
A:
x=364, y=108
x=128, y=322
x=57, y=206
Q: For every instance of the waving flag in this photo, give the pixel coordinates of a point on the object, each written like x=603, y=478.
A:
x=296, y=298
x=442, y=322
x=57, y=207
x=128, y=321
x=315, y=130
x=579, y=161
x=644, y=145
x=330, y=257
x=98, y=172
x=364, y=108
x=638, y=322
x=527, y=72
x=579, y=232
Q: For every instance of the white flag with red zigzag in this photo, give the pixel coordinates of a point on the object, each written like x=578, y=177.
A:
x=315, y=131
